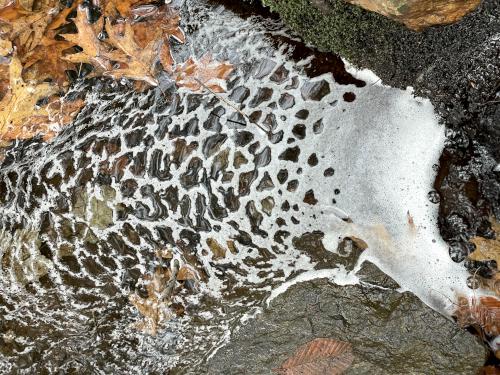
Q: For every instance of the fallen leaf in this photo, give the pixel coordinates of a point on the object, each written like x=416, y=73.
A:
x=159, y=22
x=186, y=272
x=26, y=29
x=20, y=117
x=93, y=51
x=318, y=357
x=482, y=312
x=6, y=3
x=205, y=73
x=5, y=48
x=139, y=62
x=489, y=249
x=60, y=18
x=118, y=8
x=46, y=61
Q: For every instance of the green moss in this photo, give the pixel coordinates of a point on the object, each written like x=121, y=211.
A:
x=345, y=29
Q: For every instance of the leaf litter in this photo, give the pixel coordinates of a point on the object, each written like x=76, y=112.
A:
x=129, y=40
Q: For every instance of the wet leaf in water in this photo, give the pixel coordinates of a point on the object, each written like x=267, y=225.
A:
x=318, y=357
x=196, y=75
x=20, y=117
x=482, y=312
x=93, y=51
x=489, y=250
x=46, y=61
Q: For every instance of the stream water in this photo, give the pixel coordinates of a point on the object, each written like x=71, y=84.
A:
x=82, y=217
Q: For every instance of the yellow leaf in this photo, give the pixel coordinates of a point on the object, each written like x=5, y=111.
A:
x=19, y=115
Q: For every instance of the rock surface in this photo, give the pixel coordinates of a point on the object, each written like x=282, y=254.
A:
x=419, y=14
x=391, y=332
x=457, y=68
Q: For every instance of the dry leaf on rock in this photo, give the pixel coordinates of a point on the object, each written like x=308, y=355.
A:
x=482, y=312
x=155, y=307
x=187, y=272
x=20, y=115
x=5, y=48
x=60, y=18
x=319, y=357
x=161, y=22
x=205, y=73
x=487, y=249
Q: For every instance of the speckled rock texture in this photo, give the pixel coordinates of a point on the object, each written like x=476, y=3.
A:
x=391, y=332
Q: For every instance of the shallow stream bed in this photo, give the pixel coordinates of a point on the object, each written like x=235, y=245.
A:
x=345, y=163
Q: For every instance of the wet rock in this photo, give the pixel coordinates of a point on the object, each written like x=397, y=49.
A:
x=280, y=75
x=309, y=198
x=266, y=183
x=282, y=176
x=239, y=94
x=292, y=185
x=391, y=332
x=303, y=114
x=286, y=101
x=246, y=181
x=329, y=172
x=318, y=127
x=239, y=159
x=290, y=154
x=213, y=121
x=315, y=90
x=299, y=131
x=312, y=160
x=349, y=97
x=263, y=94
x=263, y=68
x=418, y=15
x=243, y=138
x=263, y=158
x=212, y=144
x=267, y=205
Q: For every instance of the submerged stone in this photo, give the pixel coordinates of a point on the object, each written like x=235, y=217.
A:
x=390, y=332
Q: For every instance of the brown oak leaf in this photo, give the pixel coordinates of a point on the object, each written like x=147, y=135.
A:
x=93, y=52
x=135, y=62
x=482, y=312
x=489, y=249
x=205, y=73
x=26, y=29
x=47, y=61
x=318, y=357
x=118, y=8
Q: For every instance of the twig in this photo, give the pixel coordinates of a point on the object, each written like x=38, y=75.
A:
x=267, y=131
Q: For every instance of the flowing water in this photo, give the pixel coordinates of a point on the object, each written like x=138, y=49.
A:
x=82, y=217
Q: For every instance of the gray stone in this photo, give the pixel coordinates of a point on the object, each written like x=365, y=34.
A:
x=391, y=332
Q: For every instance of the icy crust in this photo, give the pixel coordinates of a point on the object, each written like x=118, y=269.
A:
x=381, y=148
